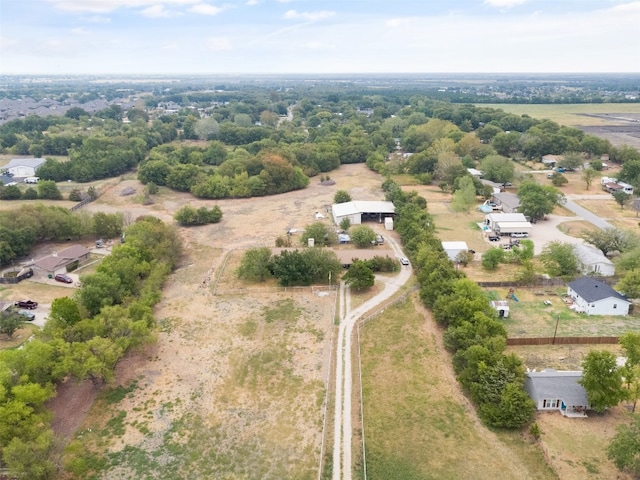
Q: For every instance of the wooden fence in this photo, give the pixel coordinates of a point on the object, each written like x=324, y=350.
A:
x=563, y=341
x=543, y=282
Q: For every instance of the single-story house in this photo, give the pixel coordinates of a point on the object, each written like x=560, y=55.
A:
x=23, y=167
x=557, y=390
x=594, y=261
x=452, y=249
x=60, y=261
x=593, y=297
x=359, y=211
x=510, y=202
x=508, y=223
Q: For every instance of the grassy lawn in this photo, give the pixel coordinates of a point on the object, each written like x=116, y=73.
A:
x=529, y=317
x=19, y=336
x=568, y=114
x=417, y=423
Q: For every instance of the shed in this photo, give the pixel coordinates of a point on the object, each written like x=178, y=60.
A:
x=558, y=390
x=452, y=249
x=593, y=297
x=359, y=211
x=492, y=219
x=594, y=261
x=24, y=167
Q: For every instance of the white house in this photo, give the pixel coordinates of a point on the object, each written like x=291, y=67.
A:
x=474, y=172
x=358, y=211
x=23, y=167
x=596, y=298
x=594, y=261
x=557, y=390
x=452, y=249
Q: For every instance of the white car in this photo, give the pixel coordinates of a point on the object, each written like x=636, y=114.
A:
x=404, y=261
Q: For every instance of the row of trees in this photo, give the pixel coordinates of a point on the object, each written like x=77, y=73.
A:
x=473, y=334
x=83, y=339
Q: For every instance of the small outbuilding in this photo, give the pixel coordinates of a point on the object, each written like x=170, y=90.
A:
x=500, y=306
x=508, y=223
x=558, y=390
x=453, y=249
x=593, y=297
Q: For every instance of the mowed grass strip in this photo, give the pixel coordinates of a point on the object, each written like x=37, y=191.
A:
x=417, y=424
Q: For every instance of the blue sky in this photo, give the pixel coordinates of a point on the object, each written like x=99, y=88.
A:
x=314, y=36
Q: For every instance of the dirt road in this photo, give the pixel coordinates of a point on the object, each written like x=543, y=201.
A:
x=342, y=463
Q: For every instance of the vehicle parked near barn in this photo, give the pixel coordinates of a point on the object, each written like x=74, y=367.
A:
x=28, y=304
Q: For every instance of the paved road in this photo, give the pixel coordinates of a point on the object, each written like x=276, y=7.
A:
x=586, y=214
x=342, y=463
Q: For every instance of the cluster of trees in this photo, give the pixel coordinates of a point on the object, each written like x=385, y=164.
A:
x=46, y=190
x=536, y=200
x=296, y=267
x=188, y=216
x=473, y=334
x=521, y=254
x=21, y=229
x=83, y=339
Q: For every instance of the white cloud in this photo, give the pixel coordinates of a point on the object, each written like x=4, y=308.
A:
x=97, y=19
x=251, y=3
x=80, y=31
x=627, y=7
x=155, y=11
x=504, y=3
x=397, y=22
x=205, y=9
x=309, y=16
x=105, y=6
x=218, y=44
x=319, y=46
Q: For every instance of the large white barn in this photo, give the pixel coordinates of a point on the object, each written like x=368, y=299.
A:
x=23, y=167
x=359, y=211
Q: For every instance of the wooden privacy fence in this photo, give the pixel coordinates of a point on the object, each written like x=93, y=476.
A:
x=563, y=341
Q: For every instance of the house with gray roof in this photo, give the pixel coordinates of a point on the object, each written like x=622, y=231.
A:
x=593, y=261
x=510, y=202
x=557, y=390
x=593, y=297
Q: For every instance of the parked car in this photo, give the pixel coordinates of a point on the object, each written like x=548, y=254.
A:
x=404, y=261
x=61, y=277
x=519, y=235
x=27, y=315
x=494, y=238
x=28, y=304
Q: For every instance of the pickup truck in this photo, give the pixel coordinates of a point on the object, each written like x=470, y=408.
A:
x=28, y=304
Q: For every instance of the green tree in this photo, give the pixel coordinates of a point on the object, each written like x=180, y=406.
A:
x=362, y=236
x=630, y=284
x=602, y=379
x=10, y=322
x=589, y=175
x=107, y=225
x=322, y=234
x=558, y=180
x=48, y=190
x=30, y=194
x=624, y=448
x=465, y=196
x=621, y=198
x=514, y=409
x=255, y=265
x=359, y=276
x=612, y=239
x=12, y=192
x=571, y=160
x=497, y=168
x=536, y=201
x=341, y=196
x=345, y=223
x=492, y=258
x=65, y=312
x=32, y=458
x=560, y=259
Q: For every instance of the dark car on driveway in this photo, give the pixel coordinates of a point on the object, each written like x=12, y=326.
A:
x=28, y=304
x=28, y=315
x=494, y=238
x=61, y=277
